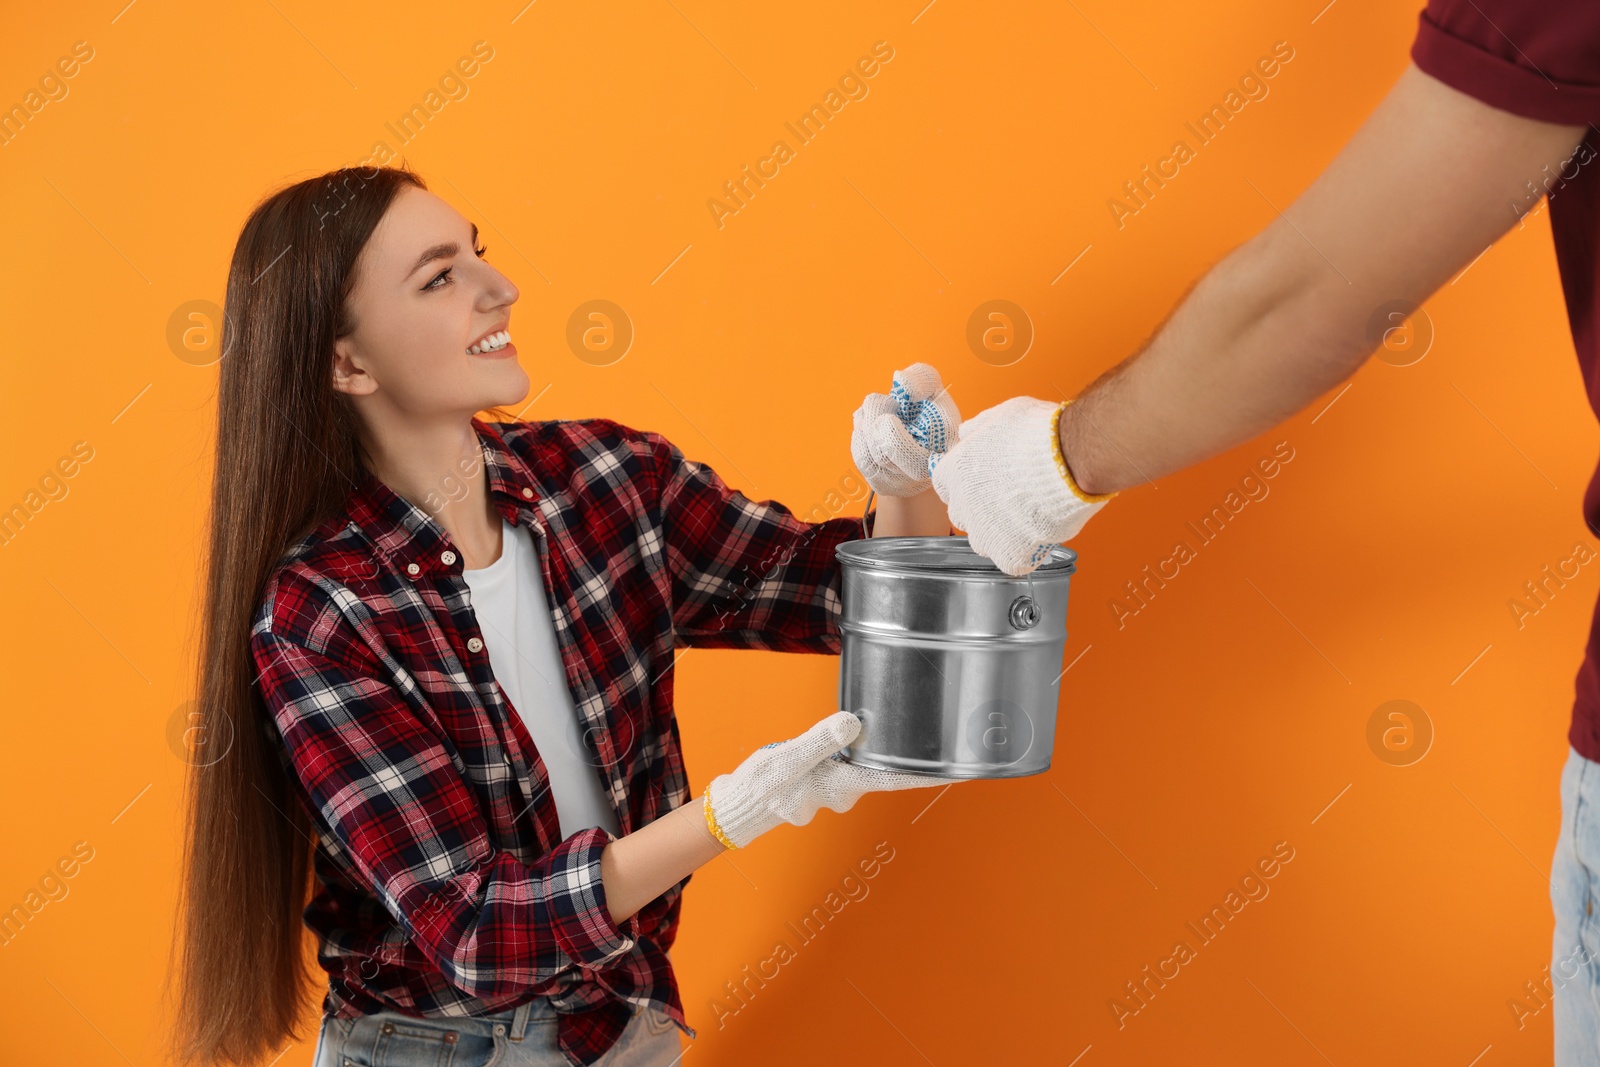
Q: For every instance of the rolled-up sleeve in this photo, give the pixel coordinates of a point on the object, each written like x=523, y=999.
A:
x=745, y=573
x=387, y=787
x=1538, y=60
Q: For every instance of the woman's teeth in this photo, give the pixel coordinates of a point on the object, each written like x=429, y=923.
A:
x=491, y=343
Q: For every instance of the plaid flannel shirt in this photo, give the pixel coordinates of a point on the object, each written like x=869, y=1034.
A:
x=444, y=887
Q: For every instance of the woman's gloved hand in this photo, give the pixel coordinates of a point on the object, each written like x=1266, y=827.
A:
x=895, y=434
x=787, y=781
x=1006, y=484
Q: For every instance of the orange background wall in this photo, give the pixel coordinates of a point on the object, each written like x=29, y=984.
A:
x=1222, y=719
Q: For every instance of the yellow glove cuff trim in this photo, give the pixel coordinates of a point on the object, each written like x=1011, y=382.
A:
x=711, y=820
x=1061, y=462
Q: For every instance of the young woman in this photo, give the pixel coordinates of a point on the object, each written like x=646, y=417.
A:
x=442, y=648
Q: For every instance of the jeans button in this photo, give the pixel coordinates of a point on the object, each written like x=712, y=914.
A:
x=499, y=1029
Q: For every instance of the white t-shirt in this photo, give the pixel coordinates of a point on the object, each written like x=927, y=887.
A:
x=508, y=599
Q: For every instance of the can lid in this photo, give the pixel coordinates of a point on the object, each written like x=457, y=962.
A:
x=942, y=554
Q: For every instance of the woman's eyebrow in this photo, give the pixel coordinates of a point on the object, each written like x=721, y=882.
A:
x=443, y=250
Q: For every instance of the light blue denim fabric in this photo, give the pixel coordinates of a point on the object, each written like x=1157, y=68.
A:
x=521, y=1037
x=1574, y=880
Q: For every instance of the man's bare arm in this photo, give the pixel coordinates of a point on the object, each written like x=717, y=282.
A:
x=1424, y=186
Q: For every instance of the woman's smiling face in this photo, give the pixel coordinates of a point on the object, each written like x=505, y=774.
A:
x=423, y=296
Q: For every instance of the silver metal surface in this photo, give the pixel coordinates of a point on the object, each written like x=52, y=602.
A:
x=952, y=665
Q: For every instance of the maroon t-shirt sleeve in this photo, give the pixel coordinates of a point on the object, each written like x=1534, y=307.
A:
x=1535, y=58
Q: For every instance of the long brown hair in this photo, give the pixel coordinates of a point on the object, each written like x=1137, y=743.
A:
x=287, y=455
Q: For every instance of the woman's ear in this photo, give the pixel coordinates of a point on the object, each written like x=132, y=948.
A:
x=348, y=374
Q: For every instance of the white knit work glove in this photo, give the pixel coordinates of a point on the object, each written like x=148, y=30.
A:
x=1007, y=485
x=894, y=435
x=787, y=781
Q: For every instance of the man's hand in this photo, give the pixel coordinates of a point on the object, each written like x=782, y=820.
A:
x=1008, y=487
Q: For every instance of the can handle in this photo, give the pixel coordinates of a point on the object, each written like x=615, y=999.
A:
x=866, y=532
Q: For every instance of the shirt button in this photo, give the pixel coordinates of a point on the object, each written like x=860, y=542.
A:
x=527, y=492
x=448, y=557
x=474, y=645
x=413, y=570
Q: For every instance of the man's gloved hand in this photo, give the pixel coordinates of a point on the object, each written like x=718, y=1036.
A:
x=788, y=781
x=1006, y=484
x=895, y=434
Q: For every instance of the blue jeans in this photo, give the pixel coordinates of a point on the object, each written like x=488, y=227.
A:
x=521, y=1037
x=1574, y=983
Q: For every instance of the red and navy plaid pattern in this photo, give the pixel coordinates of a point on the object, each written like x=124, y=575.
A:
x=443, y=885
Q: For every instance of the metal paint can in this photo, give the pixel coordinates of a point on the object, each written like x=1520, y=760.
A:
x=953, y=666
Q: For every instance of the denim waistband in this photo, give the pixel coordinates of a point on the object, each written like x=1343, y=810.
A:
x=539, y=1013
x=517, y=1018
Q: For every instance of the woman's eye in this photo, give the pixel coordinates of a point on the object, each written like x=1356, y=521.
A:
x=446, y=272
